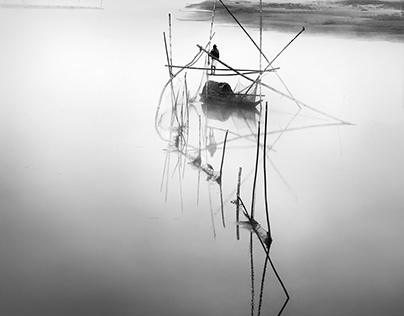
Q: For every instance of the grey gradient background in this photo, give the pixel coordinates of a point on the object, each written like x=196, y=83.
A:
x=84, y=228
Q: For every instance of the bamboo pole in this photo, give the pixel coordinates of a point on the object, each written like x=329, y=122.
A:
x=245, y=31
x=167, y=177
x=186, y=118
x=252, y=274
x=169, y=70
x=262, y=286
x=167, y=55
x=271, y=62
x=286, y=128
x=164, y=172
x=180, y=184
x=290, y=42
x=224, y=69
x=279, y=92
x=219, y=180
x=222, y=204
x=265, y=175
x=260, y=65
x=224, y=149
x=244, y=73
x=211, y=213
x=224, y=64
x=207, y=62
x=200, y=137
x=199, y=156
x=306, y=105
x=170, y=40
x=238, y=203
x=270, y=261
x=170, y=82
x=256, y=171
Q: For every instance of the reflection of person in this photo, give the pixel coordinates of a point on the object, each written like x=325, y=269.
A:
x=212, y=145
x=215, y=56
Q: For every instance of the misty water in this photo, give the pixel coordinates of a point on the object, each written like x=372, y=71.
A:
x=94, y=222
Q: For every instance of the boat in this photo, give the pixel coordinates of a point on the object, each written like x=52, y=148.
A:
x=221, y=94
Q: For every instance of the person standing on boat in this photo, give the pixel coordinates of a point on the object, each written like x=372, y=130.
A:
x=215, y=56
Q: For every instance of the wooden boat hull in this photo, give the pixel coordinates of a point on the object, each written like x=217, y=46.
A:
x=221, y=94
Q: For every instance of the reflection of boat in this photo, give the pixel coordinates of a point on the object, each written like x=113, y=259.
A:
x=219, y=101
x=220, y=93
x=224, y=111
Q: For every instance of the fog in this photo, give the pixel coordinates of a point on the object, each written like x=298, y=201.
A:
x=90, y=225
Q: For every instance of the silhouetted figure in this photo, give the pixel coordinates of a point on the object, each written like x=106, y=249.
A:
x=215, y=56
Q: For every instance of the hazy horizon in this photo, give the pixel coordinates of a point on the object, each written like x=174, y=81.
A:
x=100, y=216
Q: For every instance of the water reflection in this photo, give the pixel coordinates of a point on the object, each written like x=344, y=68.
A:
x=198, y=126
x=198, y=148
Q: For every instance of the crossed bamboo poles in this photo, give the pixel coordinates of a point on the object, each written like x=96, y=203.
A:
x=244, y=73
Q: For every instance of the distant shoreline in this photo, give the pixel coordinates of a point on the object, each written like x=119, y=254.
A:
x=364, y=18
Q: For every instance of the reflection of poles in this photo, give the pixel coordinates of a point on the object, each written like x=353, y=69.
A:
x=170, y=82
x=238, y=203
x=166, y=171
x=264, y=271
x=180, y=181
x=263, y=276
x=199, y=156
x=252, y=274
x=282, y=178
x=185, y=117
x=286, y=128
x=219, y=180
x=268, y=257
x=211, y=212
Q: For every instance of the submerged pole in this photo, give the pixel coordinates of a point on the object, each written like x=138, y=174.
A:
x=238, y=203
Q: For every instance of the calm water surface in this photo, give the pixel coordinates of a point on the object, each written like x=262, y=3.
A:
x=91, y=225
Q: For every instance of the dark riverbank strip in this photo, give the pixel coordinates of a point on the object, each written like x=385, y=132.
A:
x=366, y=18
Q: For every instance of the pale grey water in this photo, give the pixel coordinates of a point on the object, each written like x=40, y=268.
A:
x=85, y=228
